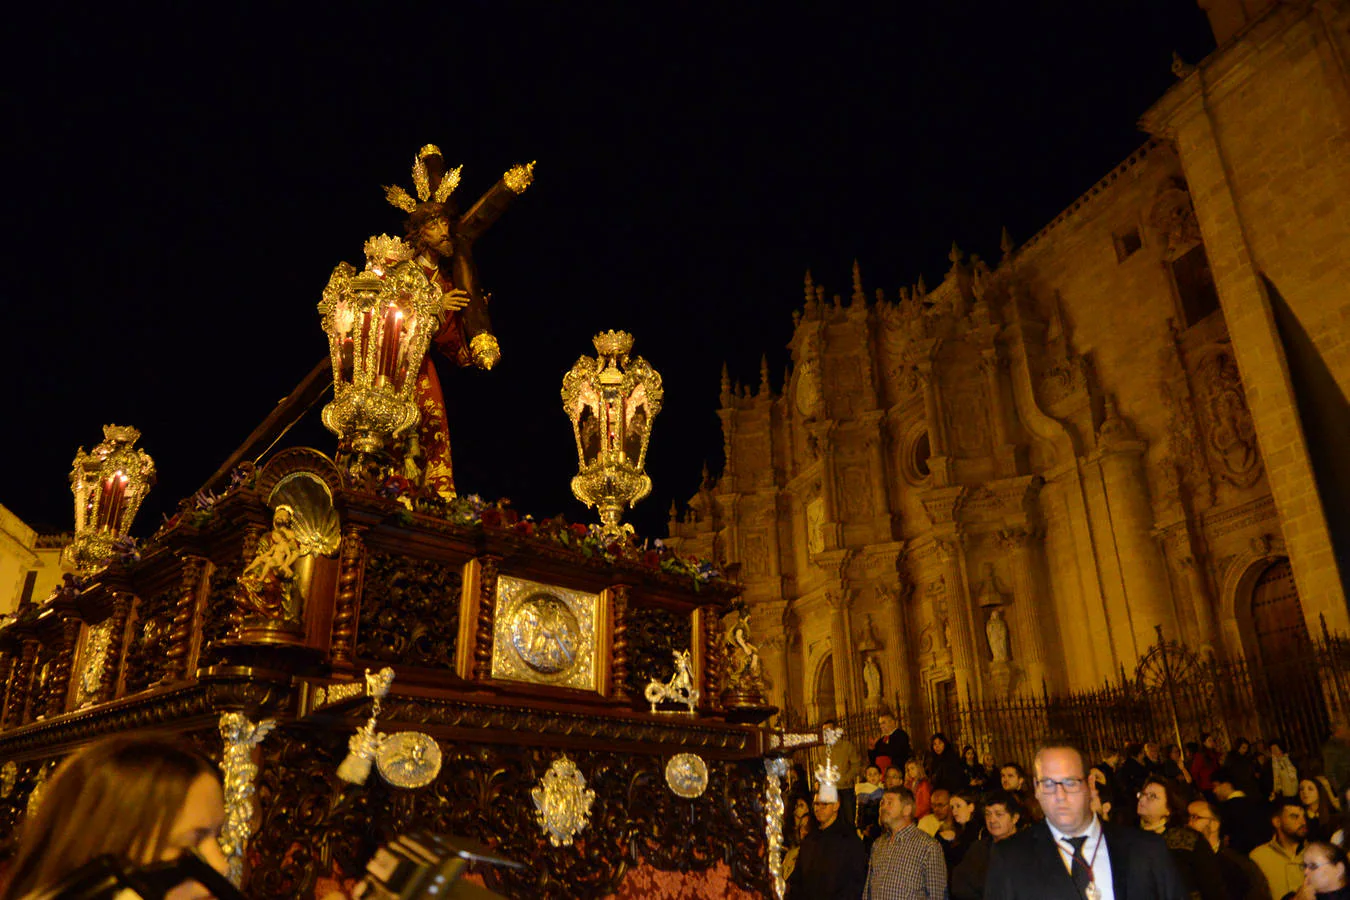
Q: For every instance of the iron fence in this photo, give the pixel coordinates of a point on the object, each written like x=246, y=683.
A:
x=1173, y=697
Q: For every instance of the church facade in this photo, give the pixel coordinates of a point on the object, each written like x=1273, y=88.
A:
x=1016, y=480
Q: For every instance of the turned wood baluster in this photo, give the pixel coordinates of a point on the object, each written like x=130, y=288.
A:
x=8, y=662
x=348, y=596
x=619, y=647
x=712, y=658
x=180, y=634
x=487, y=617
x=23, y=682
x=58, y=681
x=112, y=662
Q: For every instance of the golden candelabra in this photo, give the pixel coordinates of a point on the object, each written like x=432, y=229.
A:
x=379, y=324
x=612, y=401
x=109, y=484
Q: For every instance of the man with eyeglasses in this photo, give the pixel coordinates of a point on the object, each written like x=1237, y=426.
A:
x=1241, y=877
x=1073, y=855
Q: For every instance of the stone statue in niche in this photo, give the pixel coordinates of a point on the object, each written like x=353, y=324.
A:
x=996, y=629
x=871, y=683
x=815, y=525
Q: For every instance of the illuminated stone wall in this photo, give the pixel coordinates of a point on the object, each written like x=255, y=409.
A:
x=1075, y=438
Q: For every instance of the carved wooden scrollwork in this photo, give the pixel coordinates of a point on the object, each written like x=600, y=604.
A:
x=220, y=615
x=148, y=645
x=654, y=635
x=409, y=612
x=311, y=829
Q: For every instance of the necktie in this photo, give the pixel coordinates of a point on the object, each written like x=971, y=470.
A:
x=1081, y=873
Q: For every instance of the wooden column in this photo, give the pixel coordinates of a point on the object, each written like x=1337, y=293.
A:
x=346, y=609
x=184, y=617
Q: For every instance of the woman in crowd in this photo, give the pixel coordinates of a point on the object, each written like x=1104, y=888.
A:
x=1162, y=809
x=968, y=826
x=944, y=767
x=1241, y=765
x=1205, y=763
x=1318, y=809
x=976, y=774
x=1283, y=775
x=140, y=800
x=1324, y=873
x=802, y=820
x=1172, y=766
x=917, y=781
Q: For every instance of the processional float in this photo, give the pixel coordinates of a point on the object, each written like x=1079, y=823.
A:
x=369, y=654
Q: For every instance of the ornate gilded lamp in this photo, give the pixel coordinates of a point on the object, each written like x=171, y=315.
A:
x=379, y=323
x=109, y=484
x=612, y=402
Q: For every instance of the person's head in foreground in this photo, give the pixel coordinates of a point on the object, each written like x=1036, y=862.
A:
x=139, y=799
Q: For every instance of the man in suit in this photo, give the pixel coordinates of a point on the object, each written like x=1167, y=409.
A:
x=1073, y=855
x=1246, y=820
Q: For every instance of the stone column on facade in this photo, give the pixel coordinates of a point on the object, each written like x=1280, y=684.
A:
x=881, y=501
x=1019, y=542
x=958, y=615
x=937, y=431
x=842, y=650
x=895, y=625
x=1202, y=604
x=1139, y=562
x=1004, y=451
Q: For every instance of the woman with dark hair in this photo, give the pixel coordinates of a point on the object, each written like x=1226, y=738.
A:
x=944, y=766
x=1324, y=873
x=1172, y=765
x=976, y=774
x=140, y=800
x=968, y=825
x=1241, y=765
x=1317, y=808
x=1205, y=763
x=1162, y=809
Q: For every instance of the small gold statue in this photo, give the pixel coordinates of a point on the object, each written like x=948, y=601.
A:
x=267, y=585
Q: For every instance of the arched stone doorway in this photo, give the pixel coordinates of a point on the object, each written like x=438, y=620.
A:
x=1277, y=616
x=824, y=688
x=1286, y=665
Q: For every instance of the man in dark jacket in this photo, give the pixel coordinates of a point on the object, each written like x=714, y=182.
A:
x=1073, y=854
x=1246, y=819
x=831, y=864
x=892, y=748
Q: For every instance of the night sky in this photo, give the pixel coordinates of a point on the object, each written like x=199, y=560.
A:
x=180, y=187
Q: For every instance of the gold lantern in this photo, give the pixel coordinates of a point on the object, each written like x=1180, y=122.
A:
x=379, y=324
x=109, y=484
x=612, y=401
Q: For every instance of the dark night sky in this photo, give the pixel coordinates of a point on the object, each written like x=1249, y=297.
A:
x=180, y=186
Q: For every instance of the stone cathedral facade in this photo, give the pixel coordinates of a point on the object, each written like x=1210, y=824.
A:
x=1013, y=480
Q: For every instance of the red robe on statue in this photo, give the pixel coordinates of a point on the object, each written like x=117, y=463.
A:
x=433, y=433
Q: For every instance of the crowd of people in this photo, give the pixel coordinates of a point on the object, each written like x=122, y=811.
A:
x=1250, y=823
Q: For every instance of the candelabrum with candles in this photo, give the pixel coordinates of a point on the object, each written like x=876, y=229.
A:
x=379, y=323
x=109, y=484
x=612, y=400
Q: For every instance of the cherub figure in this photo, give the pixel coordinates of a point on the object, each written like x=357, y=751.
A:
x=266, y=585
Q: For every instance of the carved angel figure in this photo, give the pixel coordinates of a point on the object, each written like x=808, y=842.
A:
x=745, y=670
x=240, y=737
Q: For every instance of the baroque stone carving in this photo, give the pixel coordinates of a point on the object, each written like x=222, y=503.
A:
x=1173, y=218
x=1231, y=436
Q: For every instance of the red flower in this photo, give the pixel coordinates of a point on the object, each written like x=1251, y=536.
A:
x=492, y=517
x=580, y=530
x=651, y=559
x=526, y=528
x=510, y=516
